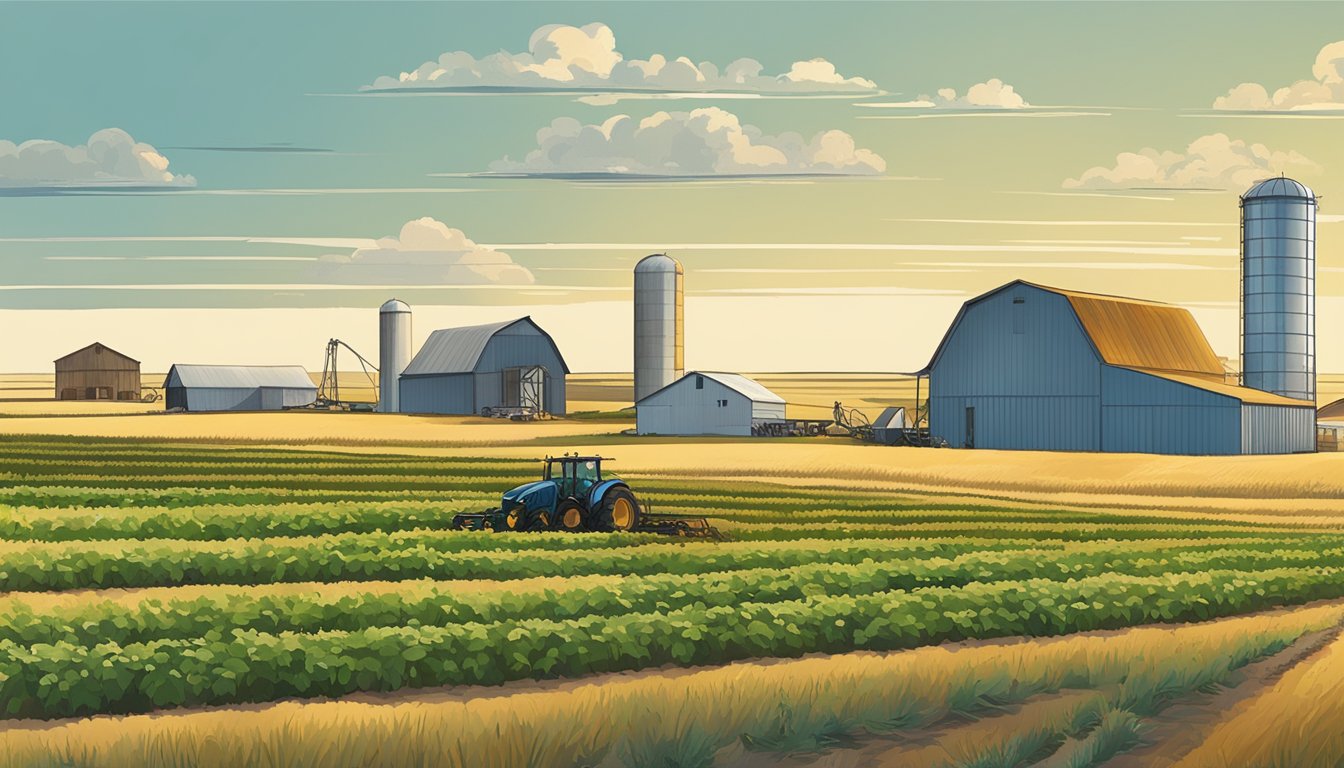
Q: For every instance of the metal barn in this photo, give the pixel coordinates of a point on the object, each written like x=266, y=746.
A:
x=466, y=370
x=708, y=403
x=1030, y=367
x=238, y=387
x=97, y=372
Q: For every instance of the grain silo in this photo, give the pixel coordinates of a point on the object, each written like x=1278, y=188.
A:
x=1278, y=288
x=659, y=321
x=394, y=352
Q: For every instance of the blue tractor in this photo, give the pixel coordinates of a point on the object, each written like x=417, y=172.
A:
x=573, y=495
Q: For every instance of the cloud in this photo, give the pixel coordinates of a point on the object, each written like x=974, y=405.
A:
x=110, y=160
x=427, y=252
x=1210, y=162
x=1324, y=92
x=564, y=58
x=701, y=143
x=993, y=94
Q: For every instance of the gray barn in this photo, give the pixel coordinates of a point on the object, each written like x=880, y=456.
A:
x=238, y=387
x=466, y=370
x=708, y=403
x=1030, y=367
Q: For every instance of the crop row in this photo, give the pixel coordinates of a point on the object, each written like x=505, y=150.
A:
x=218, y=522
x=66, y=679
x=422, y=554
x=419, y=604
x=62, y=496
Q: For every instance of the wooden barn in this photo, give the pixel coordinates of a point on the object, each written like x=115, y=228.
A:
x=97, y=372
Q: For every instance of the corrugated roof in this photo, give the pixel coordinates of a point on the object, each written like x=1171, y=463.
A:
x=753, y=389
x=1244, y=394
x=750, y=388
x=458, y=350
x=1133, y=333
x=241, y=376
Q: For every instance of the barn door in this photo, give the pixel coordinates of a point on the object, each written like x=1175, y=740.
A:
x=532, y=388
x=970, y=426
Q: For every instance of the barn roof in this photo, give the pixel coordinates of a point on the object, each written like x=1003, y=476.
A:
x=105, y=349
x=1334, y=410
x=458, y=350
x=240, y=376
x=1161, y=340
x=1133, y=333
x=750, y=388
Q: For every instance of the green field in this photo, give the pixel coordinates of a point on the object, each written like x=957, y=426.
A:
x=147, y=577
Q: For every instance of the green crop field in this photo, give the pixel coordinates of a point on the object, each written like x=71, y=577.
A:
x=153, y=577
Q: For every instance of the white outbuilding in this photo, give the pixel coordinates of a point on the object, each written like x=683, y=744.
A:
x=708, y=403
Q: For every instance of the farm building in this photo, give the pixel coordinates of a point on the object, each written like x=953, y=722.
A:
x=238, y=387
x=97, y=372
x=513, y=364
x=708, y=403
x=1036, y=368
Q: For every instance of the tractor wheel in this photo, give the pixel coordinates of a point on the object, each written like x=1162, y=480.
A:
x=619, y=511
x=515, y=519
x=571, y=516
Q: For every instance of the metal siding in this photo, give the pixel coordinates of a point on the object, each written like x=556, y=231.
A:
x=1034, y=390
x=692, y=411
x=1277, y=429
x=1142, y=413
x=767, y=411
x=520, y=346
x=446, y=394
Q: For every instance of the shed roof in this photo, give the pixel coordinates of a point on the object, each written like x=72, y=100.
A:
x=241, y=376
x=1244, y=394
x=105, y=349
x=458, y=350
x=750, y=388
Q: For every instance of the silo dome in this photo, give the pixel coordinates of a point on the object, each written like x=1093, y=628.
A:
x=1278, y=288
x=1280, y=186
x=394, y=352
x=659, y=323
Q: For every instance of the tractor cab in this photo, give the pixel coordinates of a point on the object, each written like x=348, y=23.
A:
x=574, y=476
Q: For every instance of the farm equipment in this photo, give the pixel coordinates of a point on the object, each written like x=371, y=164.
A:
x=329, y=391
x=573, y=495
x=853, y=421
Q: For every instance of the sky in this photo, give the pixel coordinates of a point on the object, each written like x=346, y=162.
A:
x=239, y=182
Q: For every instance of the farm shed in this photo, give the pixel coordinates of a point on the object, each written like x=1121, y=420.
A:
x=238, y=387
x=1030, y=367
x=708, y=403
x=97, y=372
x=466, y=370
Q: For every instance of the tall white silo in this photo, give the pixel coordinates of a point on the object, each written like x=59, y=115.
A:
x=1278, y=288
x=659, y=323
x=394, y=352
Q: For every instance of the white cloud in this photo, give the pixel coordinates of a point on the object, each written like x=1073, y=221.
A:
x=110, y=160
x=426, y=251
x=560, y=57
x=1324, y=92
x=699, y=143
x=990, y=95
x=1213, y=161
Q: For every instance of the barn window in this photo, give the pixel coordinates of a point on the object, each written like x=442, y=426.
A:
x=699, y=382
x=723, y=403
x=1019, y=323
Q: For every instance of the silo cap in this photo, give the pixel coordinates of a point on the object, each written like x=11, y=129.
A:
x=658, y=262
x=395, y=305
x=1280, y=186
